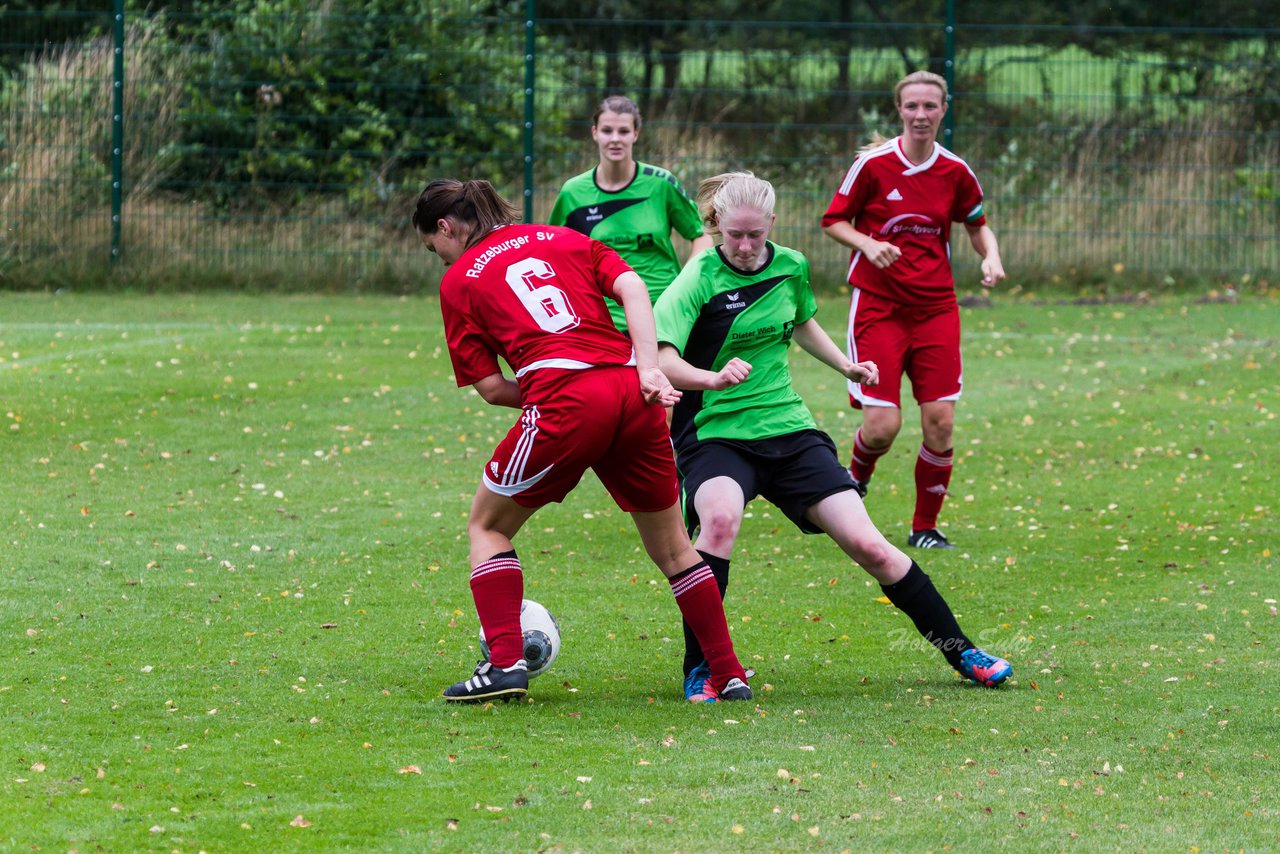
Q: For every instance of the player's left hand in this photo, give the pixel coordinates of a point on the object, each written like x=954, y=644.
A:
x=657, y=388
x=992, y=272
x=865, y=373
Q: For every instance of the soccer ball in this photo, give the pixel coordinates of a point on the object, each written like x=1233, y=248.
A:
x=541, y=637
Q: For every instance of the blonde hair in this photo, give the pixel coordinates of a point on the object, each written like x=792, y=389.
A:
x=926, y=77
x=722, y=193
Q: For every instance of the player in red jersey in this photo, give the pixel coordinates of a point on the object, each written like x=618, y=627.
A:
x=589, y=398
x=894, y=209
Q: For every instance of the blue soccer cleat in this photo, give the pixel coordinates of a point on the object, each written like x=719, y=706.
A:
x=983, y=668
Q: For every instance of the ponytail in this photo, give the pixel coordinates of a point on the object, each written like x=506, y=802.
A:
x=475, y=205
x=877, y=140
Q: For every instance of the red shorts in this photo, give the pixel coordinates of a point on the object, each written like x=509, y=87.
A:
x=592, y=419
x=922, y=342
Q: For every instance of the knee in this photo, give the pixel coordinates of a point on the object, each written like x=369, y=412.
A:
x=937, y=430
x=878, y=432
x=719, y=528
x=874, y=554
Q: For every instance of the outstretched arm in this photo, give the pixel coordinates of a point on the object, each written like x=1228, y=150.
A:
x=629, y=289
x=815, y=341
x=686, y=376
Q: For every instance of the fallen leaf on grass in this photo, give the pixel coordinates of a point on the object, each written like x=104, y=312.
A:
x=410, y=769
x=299, y=821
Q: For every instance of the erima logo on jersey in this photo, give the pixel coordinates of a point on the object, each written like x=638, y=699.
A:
x=894, y=195
x=733, y=302
x=593, y=215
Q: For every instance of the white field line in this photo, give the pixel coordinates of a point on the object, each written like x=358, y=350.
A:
x=183, y=331
x=1074, y=338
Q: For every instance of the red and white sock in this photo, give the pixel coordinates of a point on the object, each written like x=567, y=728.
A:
x=497, y=586
x=933, y=476
x=863, y=462
x=698, y=596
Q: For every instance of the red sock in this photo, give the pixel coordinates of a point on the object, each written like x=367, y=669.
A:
x=933, y=475
x=698, y=596
x=497, y=586
x=864, y=459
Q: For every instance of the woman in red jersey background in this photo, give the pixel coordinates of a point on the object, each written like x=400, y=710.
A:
x=894, y=210
x=533, y=296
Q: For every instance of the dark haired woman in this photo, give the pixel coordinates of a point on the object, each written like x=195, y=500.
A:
x=588, y=398
x=631, y=206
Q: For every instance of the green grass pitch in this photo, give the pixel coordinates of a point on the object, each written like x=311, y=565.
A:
x=234, y=582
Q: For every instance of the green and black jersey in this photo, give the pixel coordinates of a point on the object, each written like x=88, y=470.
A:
x=713, y=312
x=635, y=221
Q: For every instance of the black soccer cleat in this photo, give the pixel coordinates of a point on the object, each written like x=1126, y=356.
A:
x=491, y=683
x=929, y=538
x=735, y=689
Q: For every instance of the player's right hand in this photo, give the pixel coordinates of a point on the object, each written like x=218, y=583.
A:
x=656, y=388
x=882, y=254
x=735, y=371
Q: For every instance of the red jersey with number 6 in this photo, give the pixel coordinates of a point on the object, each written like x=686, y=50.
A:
x=532, y=295
x=912, y=206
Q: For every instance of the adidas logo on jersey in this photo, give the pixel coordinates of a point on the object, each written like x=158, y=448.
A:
x=894, y=195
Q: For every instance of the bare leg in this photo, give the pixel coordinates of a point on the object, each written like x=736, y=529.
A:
x=937, y=422
x=844, y=517
x=495, y=520
x=880, y=426
x=719, y=503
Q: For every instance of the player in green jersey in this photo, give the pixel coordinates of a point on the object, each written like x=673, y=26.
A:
x=724, y=328
x=631, y=206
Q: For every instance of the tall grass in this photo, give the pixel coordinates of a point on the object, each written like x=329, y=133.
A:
x=57, y=127
x=1075, y=199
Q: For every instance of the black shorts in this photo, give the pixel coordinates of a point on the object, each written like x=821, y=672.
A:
x=792, y=472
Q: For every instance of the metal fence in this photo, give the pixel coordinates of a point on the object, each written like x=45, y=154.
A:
x=271, y=149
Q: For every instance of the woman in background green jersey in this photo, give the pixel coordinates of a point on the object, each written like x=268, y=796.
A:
x=632, y=207
x=725, y=326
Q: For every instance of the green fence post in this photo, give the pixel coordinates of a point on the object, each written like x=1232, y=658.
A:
x=117, y=127
x=949, y=65
x=531, y=14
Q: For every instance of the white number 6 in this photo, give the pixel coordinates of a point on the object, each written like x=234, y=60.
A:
x=547, y=305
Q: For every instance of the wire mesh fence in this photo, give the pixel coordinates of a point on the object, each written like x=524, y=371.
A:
x=283, y=144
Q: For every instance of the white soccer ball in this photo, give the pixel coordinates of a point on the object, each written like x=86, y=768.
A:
x=541, y=637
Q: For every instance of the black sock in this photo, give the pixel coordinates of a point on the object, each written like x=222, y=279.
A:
x=916, y=597
x=692, y=649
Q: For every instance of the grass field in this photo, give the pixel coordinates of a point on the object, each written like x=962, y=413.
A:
x=234, y=583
